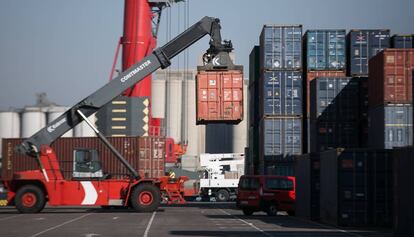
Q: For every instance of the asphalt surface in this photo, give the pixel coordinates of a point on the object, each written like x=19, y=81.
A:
x=192, y=219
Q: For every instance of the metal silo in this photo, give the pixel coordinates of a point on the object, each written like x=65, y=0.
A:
x=83, y=129
x=174, y=107
x=240, y=130
x=158, y=98
x=33, y=119
x=191, y=132
x=9, y=126
x=53, y=113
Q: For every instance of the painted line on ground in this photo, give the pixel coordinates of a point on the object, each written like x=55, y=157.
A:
x=60, y=225
x=247, y=223
x=149, y=225
x=9, y=217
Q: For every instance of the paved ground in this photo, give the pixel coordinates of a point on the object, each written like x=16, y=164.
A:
x=194, y=219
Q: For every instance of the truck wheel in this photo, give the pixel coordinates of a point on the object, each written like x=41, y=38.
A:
x=247, y=211
x=30, y=199
x=222, y=195
x=271, y=209
x=145, y=198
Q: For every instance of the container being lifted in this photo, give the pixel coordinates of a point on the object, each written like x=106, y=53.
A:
x=219, y=85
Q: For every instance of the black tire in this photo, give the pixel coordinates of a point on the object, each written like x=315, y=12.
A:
x=271, y=209
x=247, y=211
x=30, y=199
x=145, y=198
x=222, y=195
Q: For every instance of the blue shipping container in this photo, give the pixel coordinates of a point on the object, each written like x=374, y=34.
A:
x=281, y=47
x=334, y=99
x=390, y=126
x=402, y=41
x=280, y=93
x=363, y=45
x=280, y=138
x=325, y=50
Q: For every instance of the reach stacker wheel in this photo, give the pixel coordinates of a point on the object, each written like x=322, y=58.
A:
x=145, y=198
x=30, y=199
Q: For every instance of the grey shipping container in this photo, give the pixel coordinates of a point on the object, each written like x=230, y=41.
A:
x=362, y=46
x=307, y=173
x=329, y=135
x=254, y=76
x=334, y=99
x=280, y=93
x=402, y=41
x=280, y=138
x=325, y=49
x=390, y=126
x=356, y=187
x=403, y=191
x=281, y=47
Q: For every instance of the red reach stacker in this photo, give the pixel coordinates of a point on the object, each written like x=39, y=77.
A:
x=30, y=190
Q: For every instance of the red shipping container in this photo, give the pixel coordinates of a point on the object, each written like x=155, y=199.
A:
x=145, y=154
x=310, y=75
x=390, y=77
x=219, y=97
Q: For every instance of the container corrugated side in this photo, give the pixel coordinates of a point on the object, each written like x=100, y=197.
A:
x=390, y=78
x=310, y=76
x=219, y=97
x=334, y=99
x=145, y=154
x=307, y=174
x=325, y=50
x=280, y=138
x=329, y=135
x=402, y=41
x=390, y=126
x=281, y=47
x=254, y=76
x=280, y=93
x=362, y=46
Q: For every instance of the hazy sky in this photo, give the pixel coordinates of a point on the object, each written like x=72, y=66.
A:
x=66, y=48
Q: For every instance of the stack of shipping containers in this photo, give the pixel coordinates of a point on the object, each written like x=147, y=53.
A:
x=362, y=45
x=279, y=98
x=390, y=99
x=324, y=52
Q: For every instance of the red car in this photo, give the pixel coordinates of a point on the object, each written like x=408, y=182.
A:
x=266, y=193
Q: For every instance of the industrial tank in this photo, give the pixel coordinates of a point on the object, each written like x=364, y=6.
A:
x=158, y=98
x=33, y=119
x=53, y=113
x=9, y=126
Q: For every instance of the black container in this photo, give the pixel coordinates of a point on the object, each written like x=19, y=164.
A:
x=307, y=173
x=329, y=135
x=362, y=46
x=334, y=99
x=402, y=41
x=280, y=93
x=325, y=50
x=355, y=187
x=254, y=76
x=281, y=168
x=280, y=138
x=363, y=111
x=254, y=147
x=403, y=191
x=281, y=47
x=390, y=126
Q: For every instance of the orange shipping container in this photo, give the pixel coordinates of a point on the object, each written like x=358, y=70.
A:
x=219, y=96
x=390, y=77
x=314, y=74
